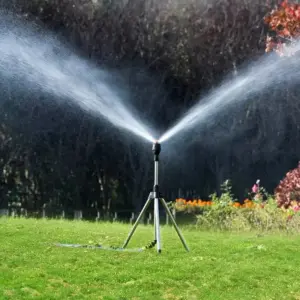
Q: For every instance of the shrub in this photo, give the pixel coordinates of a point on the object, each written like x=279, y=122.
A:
x=260, y=214
x=288, y=189
x=216, y=215
x=264, y=217
x=284, y=24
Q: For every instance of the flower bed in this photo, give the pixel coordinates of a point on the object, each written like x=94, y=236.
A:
x=198, y=204
x=232, y=215
x=260, y=211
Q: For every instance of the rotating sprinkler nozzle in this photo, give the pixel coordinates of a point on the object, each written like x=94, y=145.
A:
x=156, y=148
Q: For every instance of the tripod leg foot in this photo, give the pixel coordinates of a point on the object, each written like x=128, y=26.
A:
x=174, y=224
x=137, y=221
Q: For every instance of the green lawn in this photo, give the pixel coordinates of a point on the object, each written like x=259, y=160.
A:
x=220, y=265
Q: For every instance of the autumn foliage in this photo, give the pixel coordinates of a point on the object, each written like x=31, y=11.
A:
x=288, y=190
x=284, y=24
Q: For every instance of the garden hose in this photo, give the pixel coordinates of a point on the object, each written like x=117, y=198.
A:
x=112, y=248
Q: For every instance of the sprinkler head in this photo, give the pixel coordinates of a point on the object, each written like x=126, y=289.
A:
x=156, y=148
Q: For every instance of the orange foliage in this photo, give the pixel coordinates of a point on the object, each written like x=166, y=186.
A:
x=201, y=203
x=194, y=202
x=285, y=23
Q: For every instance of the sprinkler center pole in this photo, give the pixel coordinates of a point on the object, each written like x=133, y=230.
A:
x=156, y=197
x=156, y=151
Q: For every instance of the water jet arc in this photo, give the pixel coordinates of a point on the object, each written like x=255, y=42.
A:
x=34, y=59
x=268, y=71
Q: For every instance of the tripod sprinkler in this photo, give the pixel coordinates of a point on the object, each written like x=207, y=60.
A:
x=155, y=196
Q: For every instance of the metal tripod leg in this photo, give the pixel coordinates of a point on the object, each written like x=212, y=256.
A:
x=174, y=223
x=138, y=220
x=157, y=225
x=154, y=226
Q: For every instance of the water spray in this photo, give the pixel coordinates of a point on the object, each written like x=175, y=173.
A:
x=35, y=59
x=155, y=196
x=268, y=71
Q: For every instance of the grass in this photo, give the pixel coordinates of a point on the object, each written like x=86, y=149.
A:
x=219, y=266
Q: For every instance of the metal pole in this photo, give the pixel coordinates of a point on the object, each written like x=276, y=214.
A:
x=175, y=225
x=138, y=220
x=156, y=179
x=157, y=225
x=156, y=148
x=154, y=222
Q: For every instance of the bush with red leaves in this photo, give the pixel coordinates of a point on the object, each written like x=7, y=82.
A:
x=284, y=24
x=288, y=189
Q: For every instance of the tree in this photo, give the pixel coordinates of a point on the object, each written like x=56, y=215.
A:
x=288, y=189
x=188, y=47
